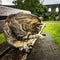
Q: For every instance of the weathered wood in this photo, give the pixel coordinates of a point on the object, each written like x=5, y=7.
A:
x=13, y=54
x=3, y=47
x=2, y=22
x=6, y=11
x=7, y=53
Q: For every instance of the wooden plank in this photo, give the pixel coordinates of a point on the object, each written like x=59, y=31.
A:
x=3, y=47
x=2, y=22
x=13, y=54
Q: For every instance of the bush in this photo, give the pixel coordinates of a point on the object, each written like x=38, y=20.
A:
x=34, y=6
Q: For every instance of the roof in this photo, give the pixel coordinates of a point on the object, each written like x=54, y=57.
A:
x=50, y=2
x=6, y=11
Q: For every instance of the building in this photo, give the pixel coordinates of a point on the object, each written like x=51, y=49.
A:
x=55, y=4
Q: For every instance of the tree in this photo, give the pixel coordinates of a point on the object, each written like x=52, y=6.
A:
x=18, y=3
x=32, y=5
x=52, y=15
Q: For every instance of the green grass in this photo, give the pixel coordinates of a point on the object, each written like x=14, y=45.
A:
x=2, y=38
x=54, y=30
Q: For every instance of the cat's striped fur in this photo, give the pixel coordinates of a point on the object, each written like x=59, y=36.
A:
x=20, y=26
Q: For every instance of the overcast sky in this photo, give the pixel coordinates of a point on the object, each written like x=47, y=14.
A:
x=46, y=2
x=7, y=2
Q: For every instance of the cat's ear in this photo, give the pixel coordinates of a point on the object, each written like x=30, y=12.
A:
x=41, y=18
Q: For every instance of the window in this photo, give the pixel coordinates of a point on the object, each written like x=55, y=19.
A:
x=49, y=9
x=57, y=9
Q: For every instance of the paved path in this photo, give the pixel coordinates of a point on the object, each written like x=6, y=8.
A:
x=45, y=50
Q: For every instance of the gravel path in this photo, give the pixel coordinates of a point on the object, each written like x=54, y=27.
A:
x=45, y=49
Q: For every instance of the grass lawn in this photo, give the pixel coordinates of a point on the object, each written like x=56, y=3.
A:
x=54, y=30
x=2, y=38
